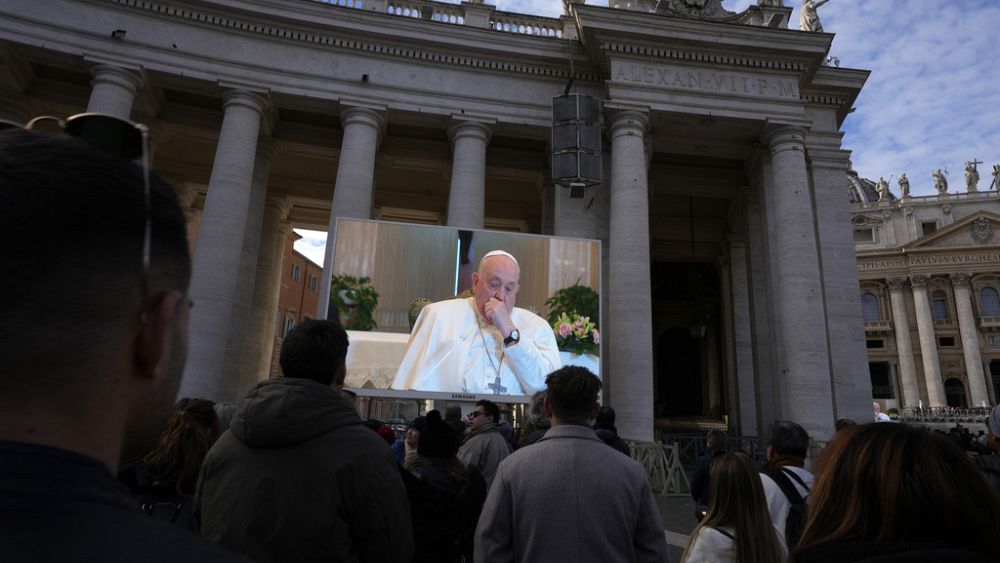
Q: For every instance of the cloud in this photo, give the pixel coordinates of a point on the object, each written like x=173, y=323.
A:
x=932, y=99
x=312, y=245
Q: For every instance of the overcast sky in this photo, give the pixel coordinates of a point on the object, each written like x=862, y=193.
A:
x=933, y=98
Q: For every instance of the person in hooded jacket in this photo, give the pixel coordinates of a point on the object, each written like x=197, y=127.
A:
x=446, y=497
x=297, y=477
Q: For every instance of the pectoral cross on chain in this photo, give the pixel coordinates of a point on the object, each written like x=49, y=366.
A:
x=497, y=388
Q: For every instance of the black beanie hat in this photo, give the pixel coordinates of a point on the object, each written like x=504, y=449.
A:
x=437, y=439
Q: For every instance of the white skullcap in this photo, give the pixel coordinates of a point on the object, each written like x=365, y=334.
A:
x=492, y=253
x=994, y=421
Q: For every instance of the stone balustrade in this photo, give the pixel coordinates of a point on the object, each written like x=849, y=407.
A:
x=458, y=14
x=526, y=24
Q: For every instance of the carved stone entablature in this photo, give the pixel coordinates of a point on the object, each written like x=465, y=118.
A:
x=875, y=220
x=960, y=280
x=982, y=230
x=697, y=9
x=897, y=284
x=919, y=282
x=938, y=282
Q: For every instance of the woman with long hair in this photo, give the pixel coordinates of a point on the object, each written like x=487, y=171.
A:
x=892, y=490
x=738, y=526
x=168, y=475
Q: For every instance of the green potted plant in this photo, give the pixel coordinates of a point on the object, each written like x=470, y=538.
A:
x=574, y=314
x=356, y=300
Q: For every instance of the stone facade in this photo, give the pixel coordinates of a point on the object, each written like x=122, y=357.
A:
x=929, y=268
x=728, y=270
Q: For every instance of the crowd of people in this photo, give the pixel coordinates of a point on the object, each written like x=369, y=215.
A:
x=93, y=347
x=882, y=492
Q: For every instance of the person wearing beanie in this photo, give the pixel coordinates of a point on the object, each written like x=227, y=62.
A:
x=445, y=496
x=989, y=464
x=405, y=450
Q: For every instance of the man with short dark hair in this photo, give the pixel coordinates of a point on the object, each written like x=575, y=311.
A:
x=787, y=483
x=298, y=477
x=576, y=499
x=92, y=347
x=484, y=446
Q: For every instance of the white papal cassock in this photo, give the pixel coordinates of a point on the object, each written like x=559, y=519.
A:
x=451, y=349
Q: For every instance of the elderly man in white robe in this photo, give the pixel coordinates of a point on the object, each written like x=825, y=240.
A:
x=482, y=344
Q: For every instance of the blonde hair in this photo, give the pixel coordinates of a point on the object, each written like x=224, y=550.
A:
x=736, y=500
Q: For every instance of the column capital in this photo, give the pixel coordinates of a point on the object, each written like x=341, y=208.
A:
x=919, y=281
x=897, y=284
x=960, y=280
x=626, y=121
x=285, y=229
x=784, y=137
x=477, y=128
x=282, y=204
x=372, y=117
x=240, y=97
x=125, y=78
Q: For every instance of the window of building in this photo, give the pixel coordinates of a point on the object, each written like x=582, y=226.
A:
x=990, y=301
x=875, y=343
x=928, y=227
x=946, y=341
x=878, y=372
x=289, y=324
x=939, y=306
x=864, y=235
x=954, y=392
x=869, y=307
x=296, y=272
x=313, y=283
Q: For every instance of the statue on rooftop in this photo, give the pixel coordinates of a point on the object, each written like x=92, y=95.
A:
x=904, y=186
x=996, y=177
x=883, y=189
x=971, y=176
x=809, y=17
x=940, y=182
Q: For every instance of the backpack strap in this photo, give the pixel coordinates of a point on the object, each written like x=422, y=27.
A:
x=796, y=478
x=725, y=533
x=780, y=478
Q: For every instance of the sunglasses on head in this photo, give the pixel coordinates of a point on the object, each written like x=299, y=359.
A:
x=118, y=136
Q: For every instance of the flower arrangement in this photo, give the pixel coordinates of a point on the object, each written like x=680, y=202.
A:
x=573, y=315
x=356, y=300
x=576, y=333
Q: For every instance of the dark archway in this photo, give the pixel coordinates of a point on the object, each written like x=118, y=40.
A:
x=678, y=360
x=954, y=392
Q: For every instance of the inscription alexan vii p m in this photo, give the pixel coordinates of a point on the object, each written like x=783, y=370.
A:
x=704, y=80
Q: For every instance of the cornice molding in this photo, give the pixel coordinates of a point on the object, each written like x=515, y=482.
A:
x=708, y=57
x=290, y=33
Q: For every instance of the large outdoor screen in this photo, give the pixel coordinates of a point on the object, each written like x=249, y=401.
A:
x=405, y=263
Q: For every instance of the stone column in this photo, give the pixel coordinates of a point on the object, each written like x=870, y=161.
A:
x=352, y=194
x=240, y=354
x=114, y=90
x=467, y=197
x=630, y=323
x=904, y=344
x=260, y=337
x=803, y=364
x=970, y=340
x=928, y=343
x=742, y=352
x=216, y=276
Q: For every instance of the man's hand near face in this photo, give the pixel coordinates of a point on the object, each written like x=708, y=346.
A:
x=498, y=315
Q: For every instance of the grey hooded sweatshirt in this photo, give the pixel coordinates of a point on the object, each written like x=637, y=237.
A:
x=298, y=478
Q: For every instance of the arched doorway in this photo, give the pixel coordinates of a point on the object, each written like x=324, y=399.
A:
x=954, y=392
x=679, y=388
